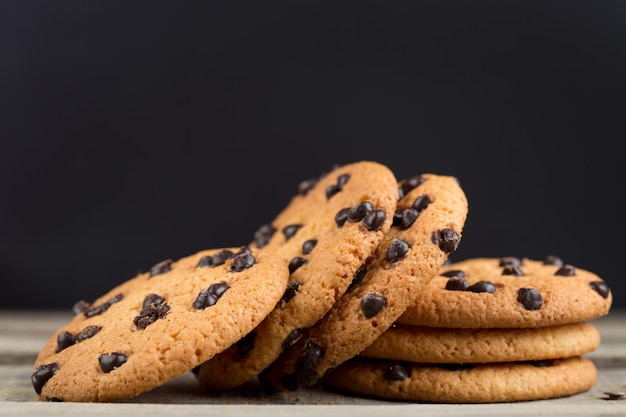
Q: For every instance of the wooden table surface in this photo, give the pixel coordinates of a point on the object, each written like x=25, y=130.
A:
x=23, y=333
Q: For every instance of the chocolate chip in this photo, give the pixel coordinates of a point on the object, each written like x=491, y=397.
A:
x=512, y=270
x=306, y=377
x=101, y=308
x=221, y=257
x=87, y=333
x=161, y=268
x=263, y=235
x=530, y=298
x=510, y=260
x=111, y=361
x=371, y=304
x=342, y=216
x=206, y=260
x=245, y=344
x=291, y=291
x=311, y=354
x=154, y=308
x=566, y=271
x=601, y=288
x=422, y=202
x=308, y=246
x=331, y=190
x=457, y=284
x=454, y=273
x=42, y=374
x=292, y=338
x=207, y=298
x=64, y=340
x=296, y=263
x=307, y=185
x=405, y=217
x=375, y=220
x=290, y=231
x=447, y=240
x=408, y=184
x=359, y=211
x=482, y=286
x=242, y=261
x=553, y=260
x=358, y=277
x=80, y=307
x=397, y=250
x=397, y=372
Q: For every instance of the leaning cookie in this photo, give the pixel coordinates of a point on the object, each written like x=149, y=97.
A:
x=326, y=233
x=485, y=383
x=159, y=325
x=427, y=228
x=509, y=292
x=440, y=345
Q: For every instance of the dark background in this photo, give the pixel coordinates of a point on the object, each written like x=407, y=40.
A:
x=133, y=132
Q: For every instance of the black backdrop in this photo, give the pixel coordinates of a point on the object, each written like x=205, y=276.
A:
x=133, y=132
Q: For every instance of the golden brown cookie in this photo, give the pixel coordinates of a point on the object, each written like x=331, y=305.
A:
x=159, y=325
x=427, y=227
x=509, y=292
x=326, y=233
x=440, y=345
x=486, y=383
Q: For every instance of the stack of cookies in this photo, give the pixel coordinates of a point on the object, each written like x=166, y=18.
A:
x=487, y=330
x=348, y=287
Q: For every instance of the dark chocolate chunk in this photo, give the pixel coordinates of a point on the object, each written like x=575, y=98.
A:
x=530, y=298
x=371, y=304
x=454, y=273
x=154, y=308
x=359, y=211
x=331, y=190
x=358, y=277
x=601, y=288
x=291, y=291
x=87, y=333
x=457, y=284
x=512, y=270
x=242, y=261
x=311, y=354
x=245, y=344
x=408, y=184
x=292, y=338
x=308, y=246
x=566, y=271
x=42, y=374
x=80, y=307
x=306, y=377
x=405, y=217
x=447, y=239
x=374, y=220
x=510, y=261
x=290, y=231
x=296, y=263
x=65, y=339
x=221, y=257
x=111, y=361
x=482, y=286
x=397, y=250
x=307, y=185
x=207, y=298
x=161, y=268
x=263, y=235
x=206, y=260
x=553, y=260
x=101, y=308
x=342, y=216
x=397, y=372
x=422, y=202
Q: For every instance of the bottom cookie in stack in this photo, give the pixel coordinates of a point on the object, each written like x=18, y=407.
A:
x=484, y=331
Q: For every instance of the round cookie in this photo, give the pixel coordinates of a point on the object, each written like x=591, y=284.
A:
x=427, y=227
x=325, y=233
x=487, y=383
x=440, y=345
x=159, y=325
x=509, y=292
